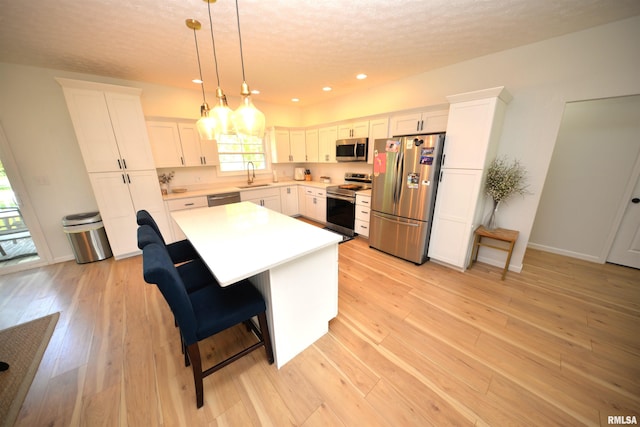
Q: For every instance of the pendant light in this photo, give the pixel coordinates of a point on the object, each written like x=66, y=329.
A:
x=221, y=111
x=206, y=124
x=248, y=120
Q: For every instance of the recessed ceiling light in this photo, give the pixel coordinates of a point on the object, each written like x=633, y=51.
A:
x=295, y=99
x=197, y=81
x=327, y=88
x=361, y=76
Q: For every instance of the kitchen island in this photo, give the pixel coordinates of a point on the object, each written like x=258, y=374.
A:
x=293, y=264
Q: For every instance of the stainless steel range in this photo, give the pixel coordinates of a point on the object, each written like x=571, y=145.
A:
x=341, y=202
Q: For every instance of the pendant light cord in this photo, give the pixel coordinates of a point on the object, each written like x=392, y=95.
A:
x=215, y=58
x=240, y=38
x=199, y=68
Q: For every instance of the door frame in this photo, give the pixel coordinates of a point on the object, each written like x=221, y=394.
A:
x=26, y=209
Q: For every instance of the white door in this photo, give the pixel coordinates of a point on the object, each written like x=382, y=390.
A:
x=626, y=246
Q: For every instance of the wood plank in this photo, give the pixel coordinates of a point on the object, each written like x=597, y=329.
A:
x=556, y=344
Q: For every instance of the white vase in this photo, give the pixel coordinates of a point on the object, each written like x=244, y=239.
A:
x=164, y=189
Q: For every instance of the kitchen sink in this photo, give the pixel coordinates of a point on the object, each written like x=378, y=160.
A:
x=253, y=185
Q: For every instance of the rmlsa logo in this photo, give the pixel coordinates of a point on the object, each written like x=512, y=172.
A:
x=622, y=419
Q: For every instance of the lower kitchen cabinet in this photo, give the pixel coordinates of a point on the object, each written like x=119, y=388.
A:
x=180, y=205
x=267, y=197
x=313, y=203
x=119, y=196
x=459, y=192
x=289, y=200
x=363, y=212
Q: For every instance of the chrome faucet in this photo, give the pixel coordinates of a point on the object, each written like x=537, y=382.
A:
x=250, y=178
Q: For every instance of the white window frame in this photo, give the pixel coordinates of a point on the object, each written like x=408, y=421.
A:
x=243, y=171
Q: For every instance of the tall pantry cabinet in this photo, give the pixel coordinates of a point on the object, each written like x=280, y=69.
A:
x=473, y=133
x=111, y=131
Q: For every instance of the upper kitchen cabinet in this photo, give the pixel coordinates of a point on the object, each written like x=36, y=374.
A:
x=327, y=137
x=176, y=144
x=165, y=144
x=378, y=129
x=353, y=130
x=196, y=152
x=418, y=122
x=287, y=146
x=109, y=125
x=474, y=128
x=311, y=145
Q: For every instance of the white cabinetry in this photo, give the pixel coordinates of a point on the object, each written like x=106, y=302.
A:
x=363, y=212
x=419, y=122
x=327, y=137
x=311, y=145
x=313, y=203
x=267, y=197
x=119, y=196
x=178, y=144
x=378, y=129
x=289, y=200
x=180, y=205
x=111, y=132
x=109, y=127
x=353, y=130
x=287, y=146
x=473, y=133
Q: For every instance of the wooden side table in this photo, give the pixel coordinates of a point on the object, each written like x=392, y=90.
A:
x=501, y=234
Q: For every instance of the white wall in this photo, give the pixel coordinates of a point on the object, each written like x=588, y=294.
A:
x=597, y=63
x=597, y=147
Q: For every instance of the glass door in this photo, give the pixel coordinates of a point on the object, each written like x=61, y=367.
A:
x=16, y=243
x=21, y=239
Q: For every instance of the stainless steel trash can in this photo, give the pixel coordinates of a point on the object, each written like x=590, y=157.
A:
x=88, y=239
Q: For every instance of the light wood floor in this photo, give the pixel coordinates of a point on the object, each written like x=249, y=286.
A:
x=557, y=344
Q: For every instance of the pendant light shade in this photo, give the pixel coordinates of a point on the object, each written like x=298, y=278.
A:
x=207, y=124
x=221, y=111
x=248, y=120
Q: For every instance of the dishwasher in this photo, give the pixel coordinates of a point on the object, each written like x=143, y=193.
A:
x=223, y=198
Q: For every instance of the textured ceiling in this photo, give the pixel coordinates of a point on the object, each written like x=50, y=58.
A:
x=292, y=48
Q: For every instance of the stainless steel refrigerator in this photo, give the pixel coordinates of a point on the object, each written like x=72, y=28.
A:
x=405, y=179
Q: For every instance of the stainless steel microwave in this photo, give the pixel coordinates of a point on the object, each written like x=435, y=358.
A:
x=352, y=150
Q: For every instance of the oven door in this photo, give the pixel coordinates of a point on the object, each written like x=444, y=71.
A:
x=341, y=213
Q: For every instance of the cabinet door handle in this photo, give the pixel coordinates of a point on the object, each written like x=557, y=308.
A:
x=189, y=204
x=124, y=163
x=421, y=124
x=182, y=160
x=124, y=181
x=129, y=178
x=440, y=176
x=418, y=126
x=444, y=156
x=119, y=164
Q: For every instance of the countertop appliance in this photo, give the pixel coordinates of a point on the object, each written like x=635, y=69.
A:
x=223, y=198
x=405, y=180
x=352, y=149
x=298, y=174
x=341, y=202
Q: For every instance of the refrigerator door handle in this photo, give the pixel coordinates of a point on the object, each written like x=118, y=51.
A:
x=399, y=172
x=396, y=219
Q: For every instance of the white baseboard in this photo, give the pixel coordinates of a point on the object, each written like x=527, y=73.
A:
x=558, y=251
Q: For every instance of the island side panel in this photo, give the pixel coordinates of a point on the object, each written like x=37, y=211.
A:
x=302, y=296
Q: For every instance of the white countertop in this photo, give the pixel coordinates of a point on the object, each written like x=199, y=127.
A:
x=226, y=188
x=240, y=240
